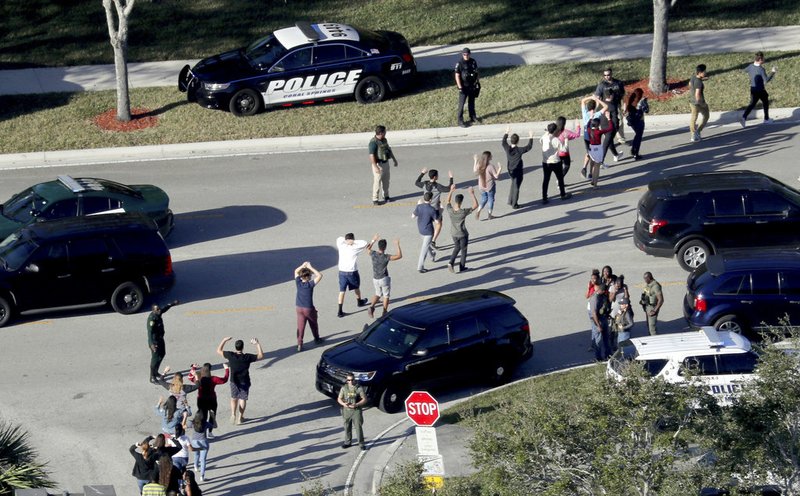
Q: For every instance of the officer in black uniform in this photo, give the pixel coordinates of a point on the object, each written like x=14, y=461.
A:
x=468, y=86
x=155, y=339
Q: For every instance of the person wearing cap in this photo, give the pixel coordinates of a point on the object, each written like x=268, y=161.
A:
x=466, y=73
x=621, y=321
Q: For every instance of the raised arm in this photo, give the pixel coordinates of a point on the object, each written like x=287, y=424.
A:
x=220, y=351
x=399, y=254
x=260, y=352
x=474, y=198
x=317, y=274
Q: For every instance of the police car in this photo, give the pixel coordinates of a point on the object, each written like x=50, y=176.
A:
x=723, y=361
x=301, y=65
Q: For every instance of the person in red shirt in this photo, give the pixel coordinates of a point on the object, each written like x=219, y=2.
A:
x=206, y=396
x=596, y=147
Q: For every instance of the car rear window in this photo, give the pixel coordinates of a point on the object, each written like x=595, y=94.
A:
x=740, y=363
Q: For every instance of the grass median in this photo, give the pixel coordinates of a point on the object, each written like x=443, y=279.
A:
x=512, y=94
x=50, y=33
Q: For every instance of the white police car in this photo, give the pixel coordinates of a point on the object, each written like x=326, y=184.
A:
x=300, y=65
x=723, y=361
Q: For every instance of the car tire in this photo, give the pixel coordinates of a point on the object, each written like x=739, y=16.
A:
x=183, y=79
x=128, y=298
x=392, y=400
x=245, y=102
x=693, y=254
x=5, y=311
x=502, y=372
x=371, y=89
x=729, y=323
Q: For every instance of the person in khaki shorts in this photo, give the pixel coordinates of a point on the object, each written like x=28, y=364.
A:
x=379, y=154
x=652, y=299
x=380, y=273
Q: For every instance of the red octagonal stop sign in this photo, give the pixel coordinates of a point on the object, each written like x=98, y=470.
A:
x=422, y=408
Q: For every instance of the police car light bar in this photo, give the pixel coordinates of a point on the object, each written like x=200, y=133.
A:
x=714, y=341
x=71, y=183
x=307, y=30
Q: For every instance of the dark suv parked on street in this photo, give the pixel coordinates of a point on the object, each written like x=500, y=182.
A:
x=469, y=334
x=742, y=291
x=79, y=262
x=693, y=216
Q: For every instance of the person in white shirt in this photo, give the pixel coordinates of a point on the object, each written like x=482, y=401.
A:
x=349, y=250
x=551, y=162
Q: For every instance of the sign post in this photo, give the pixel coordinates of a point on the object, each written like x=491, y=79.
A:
x=423, y=410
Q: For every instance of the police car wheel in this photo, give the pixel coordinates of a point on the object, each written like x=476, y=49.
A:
x=371, y=89
x=128, y=298
x=5, y=311
x=392, y=400
x=245, y=102
x=729, y=323
x=693, y=254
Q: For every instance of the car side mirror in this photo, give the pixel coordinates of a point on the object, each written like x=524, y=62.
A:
x=421, y=352
x=32, y=268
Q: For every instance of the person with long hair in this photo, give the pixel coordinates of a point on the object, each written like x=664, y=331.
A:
x=206, y=395
x=177, y=388
x=168, y=475
x=170, y=414
x=144, y=462
x=190, y=487
x=635, y=109
x=596, y=147
x=591, y=108
x=487, y=174
x=199, y=444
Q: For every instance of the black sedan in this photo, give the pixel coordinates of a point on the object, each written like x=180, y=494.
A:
x=301, y=65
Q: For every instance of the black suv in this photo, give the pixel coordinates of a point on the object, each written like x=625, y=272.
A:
x=428, y=344
x=77, y=262
x=696, y=215
x=742, y=291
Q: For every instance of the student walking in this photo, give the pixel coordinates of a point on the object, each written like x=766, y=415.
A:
x=697, y=103
x=564, y=137
x=596, y=147
x=239, y=362
x=435, y=188
x=207, y=395
x=636, y=108
x=551, y=162
x=306, y=278
x=487, y=174
x=516, y=168
x=611, y=91
x=199, y=445
x=458, y=228
x=428, y=225
x=380, y=273
x=758, y=91
x=591, y=108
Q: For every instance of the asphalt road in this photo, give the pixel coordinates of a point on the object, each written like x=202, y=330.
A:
x=78, y=382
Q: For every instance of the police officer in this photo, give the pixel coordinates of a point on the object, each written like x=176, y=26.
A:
x=352, y=399
x=155, y=339
x=651, y=301
x=468, y=86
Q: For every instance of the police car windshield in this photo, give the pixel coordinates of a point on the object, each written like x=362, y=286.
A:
x=391, y=336
x=264, y=52
x=22, y=205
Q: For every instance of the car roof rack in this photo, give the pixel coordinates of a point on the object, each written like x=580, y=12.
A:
x=308, y=31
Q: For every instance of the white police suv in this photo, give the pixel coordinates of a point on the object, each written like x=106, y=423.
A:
x=723, y=361
x=301, y=65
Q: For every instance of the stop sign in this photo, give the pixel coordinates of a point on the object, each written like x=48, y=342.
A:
x=422, y=408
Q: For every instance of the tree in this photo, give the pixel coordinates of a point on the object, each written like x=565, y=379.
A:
x=18, y=466
x=117, y=13
x=760, y=437
x=622, y=438
x=658, y=58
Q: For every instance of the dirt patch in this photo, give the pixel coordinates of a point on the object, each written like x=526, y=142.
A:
x=141, y=118
x=676, y=87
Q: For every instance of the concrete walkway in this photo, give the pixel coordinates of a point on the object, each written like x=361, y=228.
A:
x=429, y=58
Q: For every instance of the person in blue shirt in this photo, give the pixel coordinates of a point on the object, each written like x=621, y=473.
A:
x=758, y=80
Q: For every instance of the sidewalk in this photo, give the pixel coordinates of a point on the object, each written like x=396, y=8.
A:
x=430, y=58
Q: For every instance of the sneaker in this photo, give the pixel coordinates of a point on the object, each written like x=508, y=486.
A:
x=742, y=121
x=693, y=137
x=345, y=445
x=203, y=478
x=583, y=172
x=210, y=435
x=450, y=267
x=387, y=199
x=545, y=201
x=463, y=269
x=340, y=314
x=423, y=270
x=318, y=340
x=768, y=121
x=618, y=156
x=637, y=157
x=362, y=302
x=697, y=136
x=566, y=196
x=371, y=312
x=603, y=164
x=299, y=347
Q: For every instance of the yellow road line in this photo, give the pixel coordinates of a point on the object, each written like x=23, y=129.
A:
x=268, y=308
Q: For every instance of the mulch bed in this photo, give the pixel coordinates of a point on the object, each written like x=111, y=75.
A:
x=141, y=118
x=676, y=87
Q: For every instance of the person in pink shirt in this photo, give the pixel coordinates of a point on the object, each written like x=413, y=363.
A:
x=487, y=174
x=564, y=136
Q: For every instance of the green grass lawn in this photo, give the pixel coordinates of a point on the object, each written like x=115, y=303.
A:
x=64, y=121
x=74, y=32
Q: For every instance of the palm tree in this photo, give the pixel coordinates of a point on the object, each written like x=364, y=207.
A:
x=18, y=466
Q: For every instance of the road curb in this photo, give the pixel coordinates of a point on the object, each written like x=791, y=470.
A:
x=349, y=141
